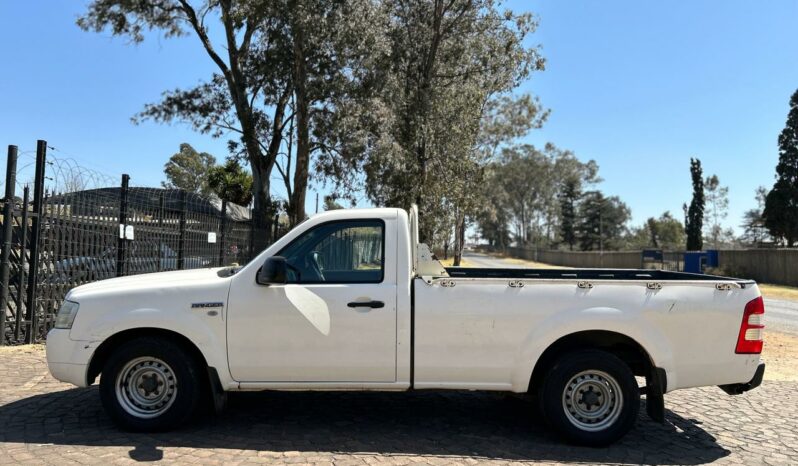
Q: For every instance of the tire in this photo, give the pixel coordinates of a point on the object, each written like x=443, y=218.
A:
x=590, y=398
x=150, y=385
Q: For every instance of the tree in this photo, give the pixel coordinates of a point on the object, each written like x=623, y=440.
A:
x=274, y=61
x=781, y=204
x=535, y=192
x=505, y=120
x=413, y=138
x=754, y=230
x=602, y=222
x=569, y=197
x=717, y=198
x=695, y=213
x=663, y=232
x=231, y=182
x=188, y=170
x=494, y=218
x=331, y=204
x=249, y=93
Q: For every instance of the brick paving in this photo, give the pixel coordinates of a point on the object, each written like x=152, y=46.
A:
x=45, y=422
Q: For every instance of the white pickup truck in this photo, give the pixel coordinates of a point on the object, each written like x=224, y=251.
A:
x=349, y=300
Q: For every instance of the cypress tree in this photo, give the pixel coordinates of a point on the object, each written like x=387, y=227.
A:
x=695, y=213
x=568, y=198
x=781, y=203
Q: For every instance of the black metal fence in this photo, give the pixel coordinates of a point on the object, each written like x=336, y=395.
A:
x=71, y=233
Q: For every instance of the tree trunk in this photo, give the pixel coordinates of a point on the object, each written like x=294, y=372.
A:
x=297, y=199
x=459, y=239
x=262, y=210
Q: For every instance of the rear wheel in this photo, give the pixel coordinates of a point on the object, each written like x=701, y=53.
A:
x=590, y=397
x=150, y=384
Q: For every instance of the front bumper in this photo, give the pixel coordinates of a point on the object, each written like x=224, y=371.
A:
x=67, y=359
x=740, y=388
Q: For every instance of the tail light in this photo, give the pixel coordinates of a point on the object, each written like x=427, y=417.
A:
x=750, y=339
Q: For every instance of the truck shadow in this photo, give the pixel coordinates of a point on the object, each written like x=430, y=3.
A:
x=444, y=424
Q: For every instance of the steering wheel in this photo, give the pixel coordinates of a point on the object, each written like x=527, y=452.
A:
x=312, y=263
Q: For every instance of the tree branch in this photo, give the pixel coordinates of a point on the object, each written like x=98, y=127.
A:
x=203, y=35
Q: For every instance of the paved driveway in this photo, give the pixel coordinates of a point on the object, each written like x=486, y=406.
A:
x=43, y=421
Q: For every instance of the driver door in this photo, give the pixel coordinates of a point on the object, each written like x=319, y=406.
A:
x=335, y=319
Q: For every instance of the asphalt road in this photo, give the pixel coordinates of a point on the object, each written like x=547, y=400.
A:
x=781, y=315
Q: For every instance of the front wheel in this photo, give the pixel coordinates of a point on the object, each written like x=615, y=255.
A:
x=590, y=397
x=150, y=384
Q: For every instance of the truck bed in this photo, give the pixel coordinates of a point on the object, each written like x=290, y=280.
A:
x=593, y=274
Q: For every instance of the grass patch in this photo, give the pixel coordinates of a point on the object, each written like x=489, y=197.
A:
x=450, y=262
x=778, y=291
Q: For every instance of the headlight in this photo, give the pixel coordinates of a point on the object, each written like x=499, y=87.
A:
x=66, y=315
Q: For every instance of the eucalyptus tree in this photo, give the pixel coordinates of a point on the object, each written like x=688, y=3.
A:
x=717, y=201
x=276, y=62
x=247, y=94
x=188, y=170
x=412, y=135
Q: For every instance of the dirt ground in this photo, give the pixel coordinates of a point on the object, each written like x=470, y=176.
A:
x=781, y=356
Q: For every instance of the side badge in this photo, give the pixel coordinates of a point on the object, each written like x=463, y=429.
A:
x=206, y=305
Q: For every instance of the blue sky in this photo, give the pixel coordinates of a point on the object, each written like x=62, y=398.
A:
x=638, y=86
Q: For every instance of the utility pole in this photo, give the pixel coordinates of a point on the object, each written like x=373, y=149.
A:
x=317, y=203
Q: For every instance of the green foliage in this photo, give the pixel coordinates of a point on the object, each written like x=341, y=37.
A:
x=248, y=93
x=694, y=217
x=523, y=190
x=781, y=205
x=664, y=232
x=717, y=199
x=277, y=65
x=754, y=230
x=331, y=204
x=231, y=182
x=188, y=170
x=602, y=223
x=413, y=134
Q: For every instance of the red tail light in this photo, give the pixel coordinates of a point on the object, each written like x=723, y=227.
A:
x=750, y=339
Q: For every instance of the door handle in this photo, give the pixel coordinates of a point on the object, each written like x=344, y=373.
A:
x=371, y=304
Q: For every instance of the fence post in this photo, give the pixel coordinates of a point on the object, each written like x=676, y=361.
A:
x=8, y=231
x=223, y=228
x=121, y=247
x=251, y=249
x=36, y=222
x=159, y=266
x=23, y=234
x=181, y=241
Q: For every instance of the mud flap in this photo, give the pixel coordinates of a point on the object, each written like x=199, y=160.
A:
x=217, y=393
x=656, y=384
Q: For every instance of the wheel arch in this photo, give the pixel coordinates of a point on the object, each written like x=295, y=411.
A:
x=624, y=347
x=105, y=349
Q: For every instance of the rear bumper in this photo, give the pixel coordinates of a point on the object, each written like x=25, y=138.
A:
x=740, y=388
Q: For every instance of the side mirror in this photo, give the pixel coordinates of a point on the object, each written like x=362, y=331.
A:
x=273, y=271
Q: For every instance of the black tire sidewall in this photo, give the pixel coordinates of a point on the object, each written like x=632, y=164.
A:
x=186, y=375
x=561, y=373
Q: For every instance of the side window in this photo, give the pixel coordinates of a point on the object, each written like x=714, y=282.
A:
x=338, y=252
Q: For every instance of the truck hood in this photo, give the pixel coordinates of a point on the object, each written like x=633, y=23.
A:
x=152, y=281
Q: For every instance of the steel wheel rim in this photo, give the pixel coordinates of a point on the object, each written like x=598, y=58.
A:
x=146, y=387
x=592, y=400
